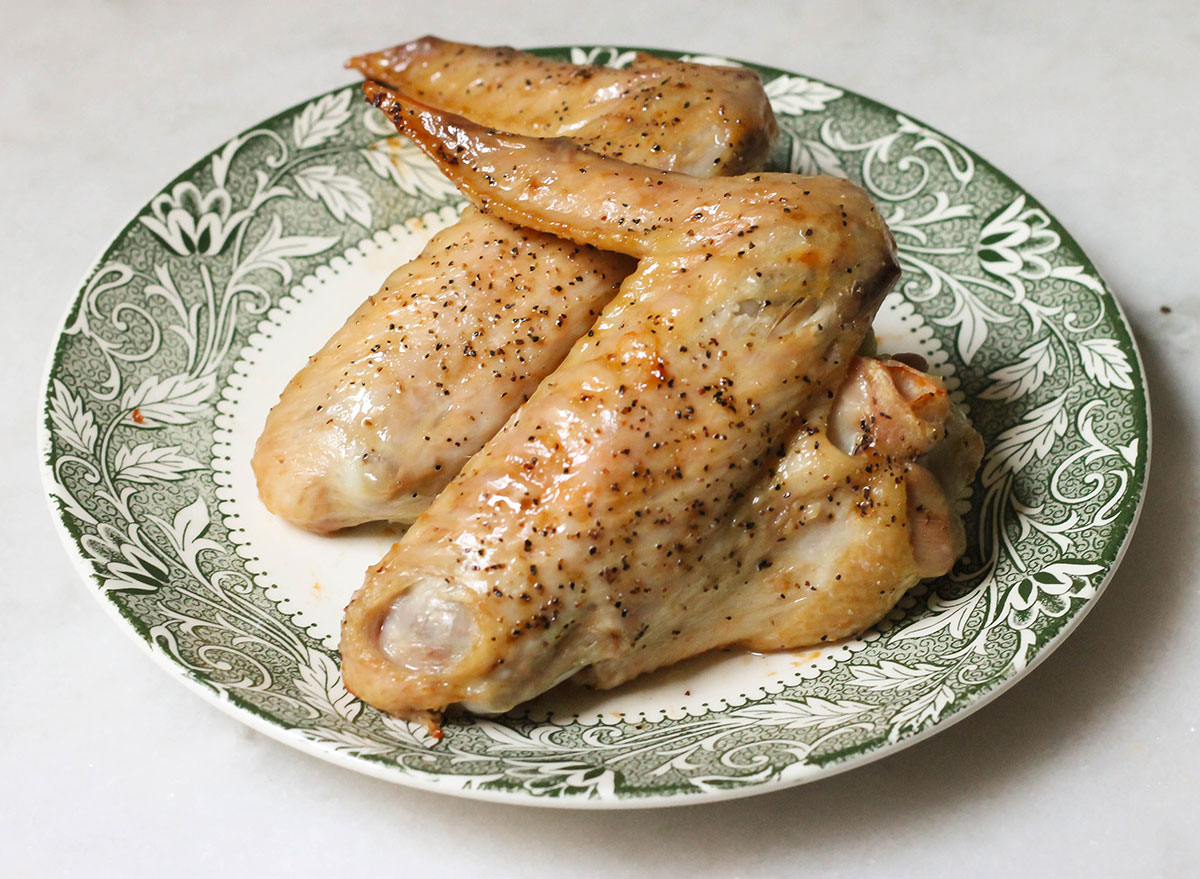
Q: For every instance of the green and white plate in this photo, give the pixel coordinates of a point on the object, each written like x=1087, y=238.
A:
x=212, y=296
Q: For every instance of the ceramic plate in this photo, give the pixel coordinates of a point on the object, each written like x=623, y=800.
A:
x=212, y=296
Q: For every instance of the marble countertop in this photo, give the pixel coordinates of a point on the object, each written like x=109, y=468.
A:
x=1089, y=767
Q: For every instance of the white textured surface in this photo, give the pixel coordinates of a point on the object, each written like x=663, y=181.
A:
x=1090, y=767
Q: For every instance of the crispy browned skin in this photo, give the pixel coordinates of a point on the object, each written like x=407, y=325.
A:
x=430, y=367
x=673, y=486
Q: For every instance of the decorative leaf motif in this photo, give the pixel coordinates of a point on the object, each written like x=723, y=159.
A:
x=597, y=56
x=274, y=249
x=890, y=675
x=401, y=161
x=171, y=400
x=507, y=738
x=709, y=60
x=342, y=195
x=408, y=733
x=942, y=615
x=130, y=563
x=320, y=683
x=918, y=226
x=321, y=120
x=73, y=423
x=795, y=95
x=186, y=531
x=190, y=222
x=147, y=463
x=971, y=317
x=1105, y=363
x=1014, y=381
x=560, y=777
x=135, y=574
x=1048, y=592
x=927, y=709
x=1033, y=437
x=1059, y=577
x=810, y=713
x=1014, y=243
x=811, y=157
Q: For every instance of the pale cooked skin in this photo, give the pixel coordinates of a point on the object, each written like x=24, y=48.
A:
x=672, y=486
x=431, y=366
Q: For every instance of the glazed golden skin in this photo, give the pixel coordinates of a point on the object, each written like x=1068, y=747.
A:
x=426, y=370
x=431, y=366
x=671, y=115
x=672, y=486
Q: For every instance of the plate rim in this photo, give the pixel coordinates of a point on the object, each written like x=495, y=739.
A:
x=454, y=785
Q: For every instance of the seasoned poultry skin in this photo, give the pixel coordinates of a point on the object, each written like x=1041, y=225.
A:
x=431, y=366
x=426, y=370
x=671, y=115
x=672, y=486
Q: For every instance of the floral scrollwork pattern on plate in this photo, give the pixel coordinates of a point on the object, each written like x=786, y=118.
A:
x=1043, y=360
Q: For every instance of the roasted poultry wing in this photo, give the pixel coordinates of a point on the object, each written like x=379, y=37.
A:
x=664, y=114
x=710, y=465
x=431, y=366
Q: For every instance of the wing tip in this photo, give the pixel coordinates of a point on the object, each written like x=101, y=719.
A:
x=396, y=59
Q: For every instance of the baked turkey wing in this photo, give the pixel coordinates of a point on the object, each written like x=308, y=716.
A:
x=430, y=367
x=710, y=465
